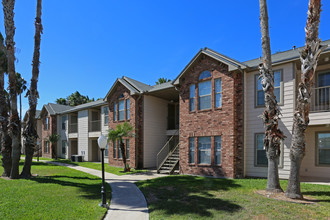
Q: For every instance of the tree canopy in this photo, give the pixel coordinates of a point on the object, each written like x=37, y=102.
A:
x=74, y=99
x=162, y=80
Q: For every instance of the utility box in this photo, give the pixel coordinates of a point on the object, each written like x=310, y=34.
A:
x=76, y=158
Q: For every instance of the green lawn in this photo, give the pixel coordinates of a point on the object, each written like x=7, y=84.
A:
x=188, y=197
x=57, y=193
x=97, y=166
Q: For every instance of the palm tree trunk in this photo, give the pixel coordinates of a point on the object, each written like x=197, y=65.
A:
x=30, y=131
x=14, y=124
x=5, y=138
x=309, y=57
x=122, y=148
x=273, y=135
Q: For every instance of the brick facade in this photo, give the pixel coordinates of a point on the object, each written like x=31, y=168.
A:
x=226, y=121
x=135, y=143
x=45, y=133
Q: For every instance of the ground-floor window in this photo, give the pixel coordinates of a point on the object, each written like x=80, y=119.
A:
x=114, y=149
x=204, y=150
x=119, y=151
x=217, y=150
x=46, y=149
x=127, y=148
x=191, y=150
x=323, y=148
x=64, y=146
x=260, y=152
x=106, y=151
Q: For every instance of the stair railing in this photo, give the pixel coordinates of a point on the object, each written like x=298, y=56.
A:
x=166, y=150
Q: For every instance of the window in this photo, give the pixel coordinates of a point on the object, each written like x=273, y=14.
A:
x=115, y=111
x=46, y=147
x=204, y=150
x=323, y=148
x=205, y=74
x=260, y=99
x=260, y=158
x=127, y=109
x=106, y=151
x=64, y=147
x=64, y=118
x=46, y=123
x=121, y=110
x=217, y=150
x=120, y=155
x=192, y=98
x=127, y=148
x=218, y=92
x=114, y=149
x=204, y=95
x=106, y=115
x=191, y=150
x=323, y=92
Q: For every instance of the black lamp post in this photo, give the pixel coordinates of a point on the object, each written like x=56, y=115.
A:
x=102, y=142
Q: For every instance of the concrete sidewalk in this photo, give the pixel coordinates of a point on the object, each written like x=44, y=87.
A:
x=127, y=201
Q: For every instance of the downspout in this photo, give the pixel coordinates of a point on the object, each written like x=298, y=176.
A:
x=244, y=124
x=136, y=136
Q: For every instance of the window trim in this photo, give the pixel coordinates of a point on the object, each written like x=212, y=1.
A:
x=47, y=125
x=281, y=157
x=63, y=123
x=317, y=162
x=215, y=93
x=214, y=146
x=194, y=98
x=115, y=109
x=205, y=164
x=105, y=116
x=193, y=141
x=198, y=96
x=281, y=102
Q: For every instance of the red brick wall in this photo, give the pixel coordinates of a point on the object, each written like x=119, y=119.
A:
x=134, y=142
x=45, y=133
x=226, y=121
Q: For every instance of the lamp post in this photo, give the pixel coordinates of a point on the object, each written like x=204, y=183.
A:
x=102, y=142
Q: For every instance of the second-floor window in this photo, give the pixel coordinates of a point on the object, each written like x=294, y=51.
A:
x=192, y=98
x=121, y=110
x=64, y=118
x=260, y=94
x=106, y=115
x=127, y=108
x=204, y=95
x=47, y=123
x=115, y=111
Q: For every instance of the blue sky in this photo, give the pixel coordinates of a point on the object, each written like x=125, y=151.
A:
x=86, y=45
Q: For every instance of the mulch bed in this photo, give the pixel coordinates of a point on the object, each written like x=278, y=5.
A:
x=281, y=197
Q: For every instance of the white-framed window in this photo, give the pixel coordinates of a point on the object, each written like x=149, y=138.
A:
x=322, y=94
x=127, y=148
x=64, y=144
x=192, y=98
x=217, y=150
x=120, y=155
x=204, y=95
x=106, y=151
x=323, y=148
x=127, y=109
x=121, y=110
x=218, y=92
x=47, y=123
x=106, y=115
x=204, y=150
x=64, y=119
x=191, y=150
x=114, y=149
x=115, y=111
x=46, y=143
x=278, y=89
x=260, y=152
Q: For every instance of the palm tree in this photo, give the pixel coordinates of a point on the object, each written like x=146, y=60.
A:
x=308, y=57
x=21, y=87
x=273, y=135
x=5, y=138
x=53, y=139
x=30, y=130
x=14, y=124
x=162, y=80
x=61, y=101
x=124, y=130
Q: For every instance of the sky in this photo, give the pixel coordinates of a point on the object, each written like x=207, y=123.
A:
x=87, y=45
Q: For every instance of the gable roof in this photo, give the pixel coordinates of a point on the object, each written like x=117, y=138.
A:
x=85, y=106
x=36, y=116
x=54, y=109
x=285, y=56
x=137, y=84
x=232, y=63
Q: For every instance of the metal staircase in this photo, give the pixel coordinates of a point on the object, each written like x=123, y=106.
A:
x=168, y=157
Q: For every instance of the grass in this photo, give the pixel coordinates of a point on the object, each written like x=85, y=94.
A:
x=188, y=197
x=57, y=193
x=97, y=166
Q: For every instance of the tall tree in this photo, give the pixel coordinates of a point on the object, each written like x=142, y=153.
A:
x=5, y=141
x=53, y=139
x=21, y=87
x=309, y=57
x=61, y=101
x=14, y=123
x=122, y=131
x=162, y=80
x=74, y=99
x=30, y=130
x=273, y=135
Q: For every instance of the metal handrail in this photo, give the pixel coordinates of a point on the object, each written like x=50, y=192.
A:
x=320, y=99
x=164, y=152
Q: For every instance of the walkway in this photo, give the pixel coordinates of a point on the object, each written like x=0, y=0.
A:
x=127, y=201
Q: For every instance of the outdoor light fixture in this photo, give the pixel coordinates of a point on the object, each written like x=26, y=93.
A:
x=102, y=142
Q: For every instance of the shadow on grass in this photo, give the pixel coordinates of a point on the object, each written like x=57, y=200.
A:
x=88, y=190
x=182, y=195
x=319, y=193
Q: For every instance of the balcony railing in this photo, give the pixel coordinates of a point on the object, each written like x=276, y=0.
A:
x=73, y=128
x=94, y=126
x=320, y=99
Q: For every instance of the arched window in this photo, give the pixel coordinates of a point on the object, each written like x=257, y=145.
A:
x=121, y=96
x=205, y=74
